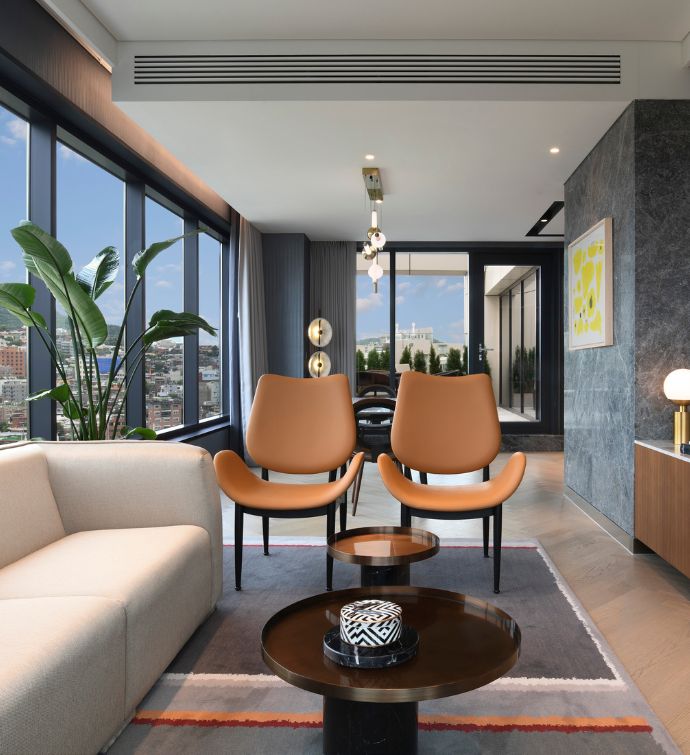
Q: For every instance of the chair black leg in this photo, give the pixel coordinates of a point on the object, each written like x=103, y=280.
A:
x=355, y=490
x=498, y=525
x=405, y=516
x=330, y=530
x=423, y=478
x=485, y=522
x=264, y=522
x=343, y=513
x=239, y=533
x=343, y=504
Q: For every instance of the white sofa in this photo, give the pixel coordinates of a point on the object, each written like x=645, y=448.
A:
x=110, y=558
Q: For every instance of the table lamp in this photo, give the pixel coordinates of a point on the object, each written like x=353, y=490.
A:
x=677, y=389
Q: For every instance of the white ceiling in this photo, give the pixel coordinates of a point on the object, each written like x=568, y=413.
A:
x=662, y=20
x=466, y=171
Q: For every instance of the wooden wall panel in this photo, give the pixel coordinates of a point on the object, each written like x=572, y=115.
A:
x=662, y=505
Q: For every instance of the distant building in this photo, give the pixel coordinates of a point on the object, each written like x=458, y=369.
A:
x=14, y=357
x=13, y=391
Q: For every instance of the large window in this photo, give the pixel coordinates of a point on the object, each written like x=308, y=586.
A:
x=431, y=312
x=13, y=335
x=99, y=202
x=209, y=308
x=90, y=203
x=164, y=290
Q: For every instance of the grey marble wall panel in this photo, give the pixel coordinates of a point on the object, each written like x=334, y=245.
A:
x=662, y=274
x=286, y=273
x=599, y=383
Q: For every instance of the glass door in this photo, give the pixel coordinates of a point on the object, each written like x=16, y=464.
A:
x=515, y=336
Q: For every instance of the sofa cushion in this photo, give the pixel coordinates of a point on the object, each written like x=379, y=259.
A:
x=62, y=674
x=29, y=517
x=160, y=575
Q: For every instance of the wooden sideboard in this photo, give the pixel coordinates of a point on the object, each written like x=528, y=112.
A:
x=662, y=501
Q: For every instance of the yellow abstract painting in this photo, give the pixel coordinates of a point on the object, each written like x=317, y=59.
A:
x=590, y=284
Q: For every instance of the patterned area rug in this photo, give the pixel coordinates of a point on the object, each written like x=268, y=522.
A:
x=567, y=693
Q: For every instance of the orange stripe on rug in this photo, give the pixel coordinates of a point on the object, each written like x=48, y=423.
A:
x=566, y=724
x=222, y=718
x=534, y=723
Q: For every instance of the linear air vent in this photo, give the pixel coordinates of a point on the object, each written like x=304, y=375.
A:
x=377, y=69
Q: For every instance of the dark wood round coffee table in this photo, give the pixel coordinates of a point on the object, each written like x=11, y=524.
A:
x=384, y=553
x=464, y=643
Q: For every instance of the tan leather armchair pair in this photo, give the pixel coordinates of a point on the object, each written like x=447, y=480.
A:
x=307, y=426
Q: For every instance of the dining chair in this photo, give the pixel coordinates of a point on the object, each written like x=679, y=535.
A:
x=373, y=418
x=296, y=426
x=445, y=427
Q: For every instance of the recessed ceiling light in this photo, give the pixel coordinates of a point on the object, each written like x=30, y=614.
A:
x=379, y=201
x=544, y=220
x=369, y=156
x=555, y=150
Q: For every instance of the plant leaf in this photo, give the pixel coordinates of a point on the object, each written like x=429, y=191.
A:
x=72, y=410
x=60, y=393
x=90, y=321
x=17, y=298
x=144, y=258
x=168, y=324
x=100, y=273
x=146, y=433
x=42, y=246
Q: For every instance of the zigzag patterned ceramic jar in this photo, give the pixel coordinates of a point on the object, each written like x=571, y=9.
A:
x=370, y=623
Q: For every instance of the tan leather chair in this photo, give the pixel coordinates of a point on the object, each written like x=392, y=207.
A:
x=449, y=426
x=296, y=426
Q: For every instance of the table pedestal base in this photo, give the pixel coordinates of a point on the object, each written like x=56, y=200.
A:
x=353, y=728
x=385, y=575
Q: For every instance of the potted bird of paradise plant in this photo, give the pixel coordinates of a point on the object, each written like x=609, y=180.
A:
x=92, y=400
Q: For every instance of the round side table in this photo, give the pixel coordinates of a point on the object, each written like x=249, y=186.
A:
x=383, y=553
x=464, y=643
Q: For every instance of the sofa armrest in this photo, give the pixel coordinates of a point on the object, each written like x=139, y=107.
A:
x=122, y=484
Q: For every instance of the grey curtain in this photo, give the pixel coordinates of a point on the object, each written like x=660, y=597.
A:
x=252, y=316
x=332, y=295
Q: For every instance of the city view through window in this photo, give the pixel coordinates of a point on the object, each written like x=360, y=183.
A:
x=90, y=217
x=430, y=311
x=13, y=335
x=209, y=309
x=164, y=362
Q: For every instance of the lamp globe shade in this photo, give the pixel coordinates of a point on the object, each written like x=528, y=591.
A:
x=677, y=386
x=319, y=364
x=320, y=332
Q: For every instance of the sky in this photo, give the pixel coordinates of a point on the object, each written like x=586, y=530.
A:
x=89, y=217
x=427, y=300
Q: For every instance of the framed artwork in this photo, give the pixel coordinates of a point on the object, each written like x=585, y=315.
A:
x=590, y=287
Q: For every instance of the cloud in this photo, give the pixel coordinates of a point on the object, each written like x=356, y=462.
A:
x=68, y=154
x=172, y=267
x=399, y=299
x=441, y=283
x=16, y=131
x=163, y=284
x=7, y=265
x=373, y=301
x=404, y=286
x=456, y=286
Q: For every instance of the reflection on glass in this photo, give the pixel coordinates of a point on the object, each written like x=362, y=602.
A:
x=512, y=338
x=90, y=203
x=164, y=290
x=209, y=309
x=13, y=335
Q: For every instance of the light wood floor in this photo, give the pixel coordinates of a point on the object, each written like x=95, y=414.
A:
x=640, y=604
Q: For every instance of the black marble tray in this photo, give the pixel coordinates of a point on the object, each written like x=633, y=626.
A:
x=356, y=656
